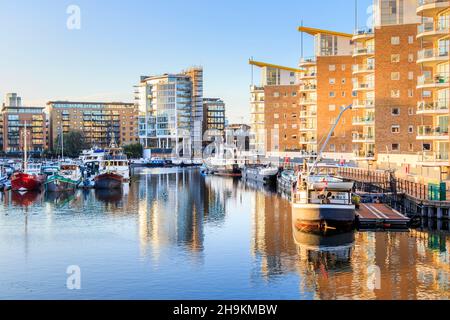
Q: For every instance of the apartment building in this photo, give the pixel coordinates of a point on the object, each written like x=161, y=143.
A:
x=172, y=111
x=433, y=85
x=274, y=79
x=99, y=121
x=213, y=115
x=326, y=88
x=17, y=118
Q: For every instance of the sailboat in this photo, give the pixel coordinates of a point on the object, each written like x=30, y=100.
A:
x=323, y=202
x=30, y=179
x=66, y=179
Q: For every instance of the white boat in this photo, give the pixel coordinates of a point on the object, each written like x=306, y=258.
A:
x=262, y=174
x=321, y=201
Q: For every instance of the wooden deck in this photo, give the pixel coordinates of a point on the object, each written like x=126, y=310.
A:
x=380, y=216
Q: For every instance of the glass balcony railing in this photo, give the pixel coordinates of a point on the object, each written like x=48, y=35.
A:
x=307, y=127
x=364, y=50
x=434, y=106
x=308, y=87
x=364, y=104
x=363, y=67
x=306, y=140
x=430, y=131
x=367, y=85
x=441, y=27
x=363, y=154
x=437, y=79
x=425, y=2
x=306, y=114
x=430, y=156
x=307, y=101
x=433, y=53
x=364, y=31
x=363, y=137
x=364, y=120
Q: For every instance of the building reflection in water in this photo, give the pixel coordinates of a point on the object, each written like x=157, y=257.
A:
x=360, y=265
x=174, y=206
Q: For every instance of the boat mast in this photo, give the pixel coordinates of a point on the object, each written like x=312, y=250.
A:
x=25, y=147
x=62, y=144
x=330, y=134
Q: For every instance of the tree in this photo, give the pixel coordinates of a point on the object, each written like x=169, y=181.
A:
x=134, y=151
x=74, y=143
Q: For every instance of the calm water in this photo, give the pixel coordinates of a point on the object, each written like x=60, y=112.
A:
x=173, y=234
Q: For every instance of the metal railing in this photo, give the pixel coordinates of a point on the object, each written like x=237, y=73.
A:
x=432, y=131
x=363, y=103
x=438, y=78
x=441, y=52
x=434, y=106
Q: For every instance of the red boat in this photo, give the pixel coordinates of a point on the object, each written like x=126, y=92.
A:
x=21, y=181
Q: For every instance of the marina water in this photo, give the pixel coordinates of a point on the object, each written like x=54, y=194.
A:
x=174, y=234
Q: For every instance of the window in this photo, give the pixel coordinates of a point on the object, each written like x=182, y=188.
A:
x=411, y=147
x=410, y=111
x=410, y=93
x=411, y=39
x=343, y=94
x=343, y=67
x=395, y=58
x=276, y=94
x=395, y=111
x=395, y=129
x=426, y=147
x=395, y=93
x=410, y=75
x=395, y=41
x=332, y=148
x=411, y=129
x=294, y=94
x=411, y=57
x=332, y=67
x=332, y=107
x=343, y=147
x=395, y=147
x=332, y=81
x=343, y=81
x=332, y=94
x=276, y=116
x=395, y=76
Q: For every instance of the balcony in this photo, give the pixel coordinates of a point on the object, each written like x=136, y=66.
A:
x=363, y=86
x=435, y=107
x=365, y=51
x=308, y=140
x=363, y=138
x=310, y=61
x=363, y=68
x=429, y=8
x=439, y=81
x=308, y=127
x=432, y=133
x=364, y=121
x=308, y=75
x=363, y=104
x=308, y=114
x=431, y=31
x=429, y=158
x=307, y=102
x=363, y=34
x=431, y=57
x=361, y=155
x=308, y=87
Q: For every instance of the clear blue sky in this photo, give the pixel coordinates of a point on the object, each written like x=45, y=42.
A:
x=120, y=40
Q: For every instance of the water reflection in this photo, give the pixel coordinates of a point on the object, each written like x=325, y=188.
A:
x=181, y=235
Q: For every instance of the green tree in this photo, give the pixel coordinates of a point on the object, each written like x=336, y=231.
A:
x=74, y=143
x=134, y=151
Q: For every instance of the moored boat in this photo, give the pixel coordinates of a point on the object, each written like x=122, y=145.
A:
x=67, y=179
x=108, y=180
x=286, y=181
x=30, y=179
x=266, y=175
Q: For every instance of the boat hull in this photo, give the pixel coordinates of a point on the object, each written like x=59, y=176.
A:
x=323, y=217
x=261, y=178
x=26, y=182
x=60, y=185
x=226, y=170
x=108, y=181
